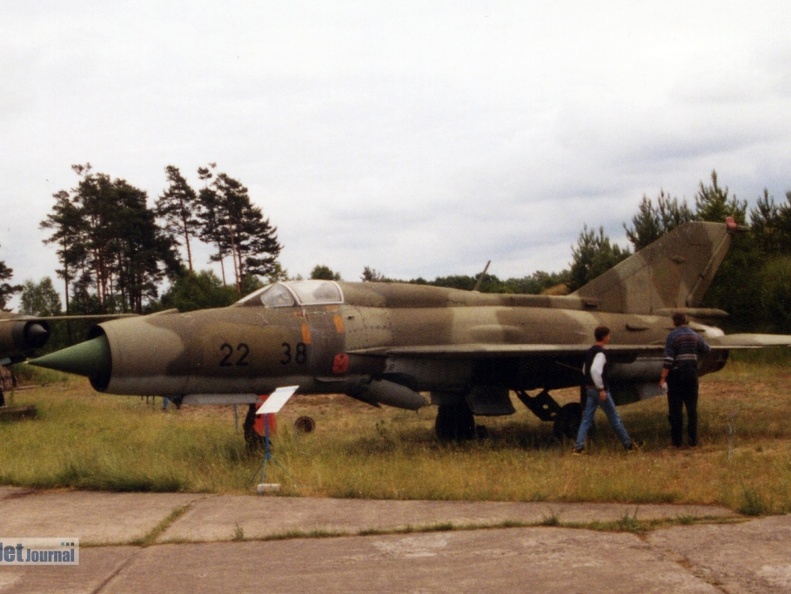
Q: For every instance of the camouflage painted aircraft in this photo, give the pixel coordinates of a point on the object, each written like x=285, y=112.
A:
x=21, y=334
x=389, y=343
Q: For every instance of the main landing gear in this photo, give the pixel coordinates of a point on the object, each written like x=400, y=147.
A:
x=455, y=421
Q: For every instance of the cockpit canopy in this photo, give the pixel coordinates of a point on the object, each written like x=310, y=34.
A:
x=295, y=293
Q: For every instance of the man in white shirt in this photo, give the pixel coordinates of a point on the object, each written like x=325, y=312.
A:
x=597, y=392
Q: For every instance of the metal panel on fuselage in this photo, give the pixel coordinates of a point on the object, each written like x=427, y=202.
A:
x=496, y=325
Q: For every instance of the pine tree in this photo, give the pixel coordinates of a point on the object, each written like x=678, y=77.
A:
x=712, y=203
x=237, y=228
x=593, y=255
x=177, y=207
x=7, y=290
x=113, y=253
x=651, y=222
x=69, y=234
x=646, y=225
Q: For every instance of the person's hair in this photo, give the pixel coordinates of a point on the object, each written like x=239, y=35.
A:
x=679, y=319
x=600, y=333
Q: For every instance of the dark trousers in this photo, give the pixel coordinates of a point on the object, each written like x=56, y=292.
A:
x=682, y=391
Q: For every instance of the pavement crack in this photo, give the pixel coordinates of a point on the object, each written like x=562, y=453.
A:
x=698, y=572
x=115, y=573
x=151, y=537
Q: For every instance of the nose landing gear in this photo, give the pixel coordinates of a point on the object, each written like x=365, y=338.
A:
x=566, y=419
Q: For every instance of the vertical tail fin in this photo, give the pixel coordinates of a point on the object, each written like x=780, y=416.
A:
x=674, y=272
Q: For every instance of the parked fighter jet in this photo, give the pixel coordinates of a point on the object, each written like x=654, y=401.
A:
x=387, y=343
x=21, y=334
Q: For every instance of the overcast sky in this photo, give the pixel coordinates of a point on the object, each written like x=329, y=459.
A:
x=419, y=138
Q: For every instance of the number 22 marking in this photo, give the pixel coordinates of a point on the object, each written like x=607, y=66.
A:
x=228, y=350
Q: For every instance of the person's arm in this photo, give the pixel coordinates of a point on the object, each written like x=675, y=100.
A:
x=665, y=371
x=670, y=356
x=597, y=372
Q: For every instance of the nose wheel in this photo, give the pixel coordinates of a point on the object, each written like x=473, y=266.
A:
x=565, y=419
x=567, y=422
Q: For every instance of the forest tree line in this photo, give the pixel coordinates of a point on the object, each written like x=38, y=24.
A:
x=753, y=284
x=117, y=253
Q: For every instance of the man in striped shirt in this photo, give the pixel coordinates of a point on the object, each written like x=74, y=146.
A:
x=680, y=378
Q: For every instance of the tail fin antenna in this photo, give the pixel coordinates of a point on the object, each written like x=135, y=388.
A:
x=479, y=282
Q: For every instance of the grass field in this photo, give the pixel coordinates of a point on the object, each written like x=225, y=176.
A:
x=86, y=440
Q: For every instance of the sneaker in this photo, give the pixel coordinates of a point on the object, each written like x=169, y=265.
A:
x=635, y=446
x=577, y=452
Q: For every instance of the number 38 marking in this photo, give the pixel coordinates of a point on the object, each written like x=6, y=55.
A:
x=297, y=354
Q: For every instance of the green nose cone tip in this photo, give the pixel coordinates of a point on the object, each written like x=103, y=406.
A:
x=90, y=358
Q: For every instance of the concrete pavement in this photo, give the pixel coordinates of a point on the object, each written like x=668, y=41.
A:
x=139, y=542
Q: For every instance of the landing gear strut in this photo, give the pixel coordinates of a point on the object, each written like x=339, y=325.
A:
x=253, y=441
x=455, y=421
x=566, y=419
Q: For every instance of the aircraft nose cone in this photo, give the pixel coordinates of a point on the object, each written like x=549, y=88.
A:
x=90, y=358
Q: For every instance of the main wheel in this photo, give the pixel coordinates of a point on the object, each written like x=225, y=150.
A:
x=567, y=423
x=455, y=422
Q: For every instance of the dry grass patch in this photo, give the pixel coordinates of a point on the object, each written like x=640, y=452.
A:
x=87, y=440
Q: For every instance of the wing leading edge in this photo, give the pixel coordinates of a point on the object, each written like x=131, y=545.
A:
x=472, y=350
x=499, y=350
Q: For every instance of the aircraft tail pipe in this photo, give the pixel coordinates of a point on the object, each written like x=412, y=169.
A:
x=21, y=337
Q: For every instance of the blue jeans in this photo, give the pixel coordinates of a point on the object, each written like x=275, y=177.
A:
x=608, y=406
